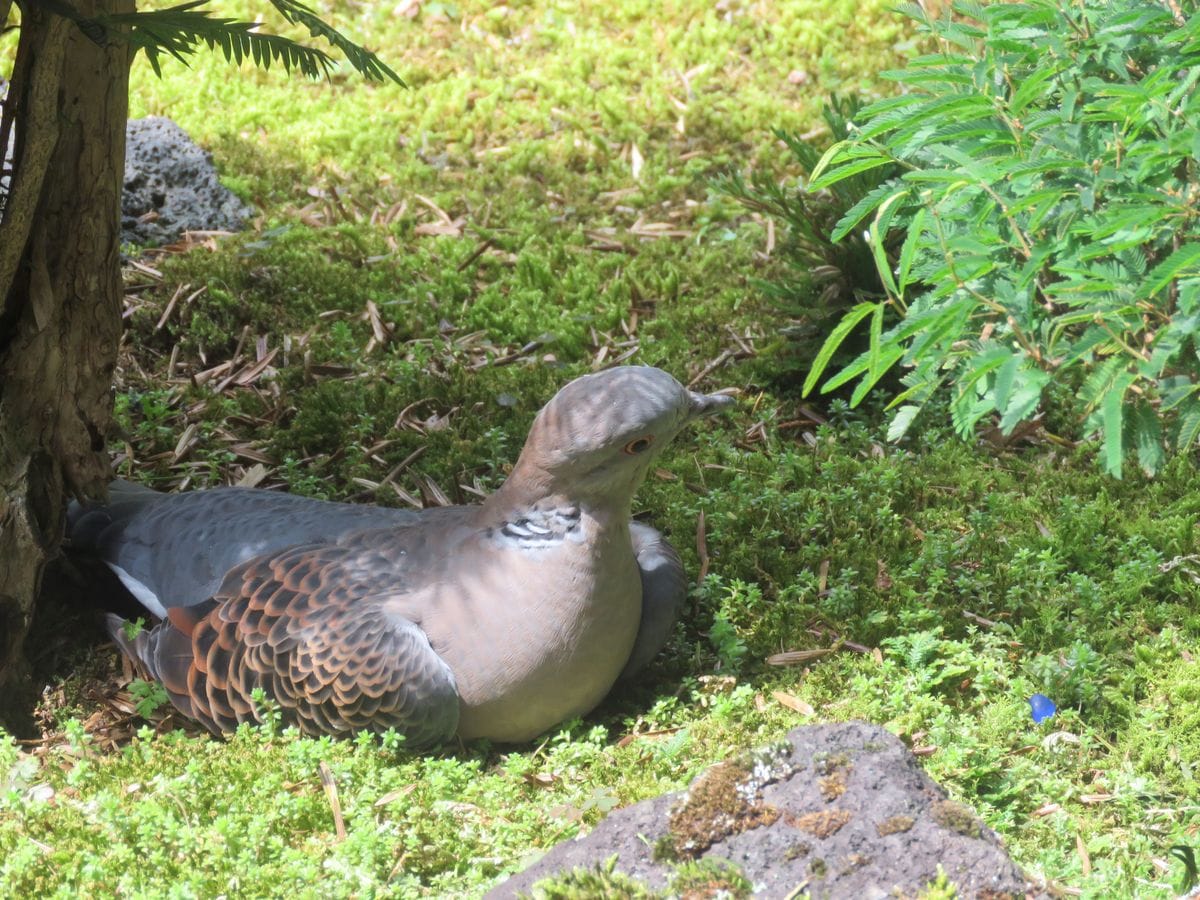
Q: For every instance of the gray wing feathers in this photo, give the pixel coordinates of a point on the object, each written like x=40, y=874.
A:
x=179, y=546
x=664, y=589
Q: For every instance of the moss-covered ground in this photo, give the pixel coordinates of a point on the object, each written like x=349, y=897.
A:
x=430, y=263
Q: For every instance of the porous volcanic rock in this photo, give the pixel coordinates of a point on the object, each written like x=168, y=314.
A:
x=843, y=810
x=171, y=186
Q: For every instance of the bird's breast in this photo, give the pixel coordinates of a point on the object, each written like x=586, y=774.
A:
x=538, y=632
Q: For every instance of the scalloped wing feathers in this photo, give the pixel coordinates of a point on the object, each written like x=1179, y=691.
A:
x=307, y=627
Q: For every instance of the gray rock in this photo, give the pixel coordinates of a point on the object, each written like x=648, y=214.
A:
x=844, y=810
x=171, y=186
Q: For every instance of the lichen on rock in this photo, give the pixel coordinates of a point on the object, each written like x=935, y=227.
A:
x=894, y=825
x=822, y=823
x=956, y=817
x=725, y=800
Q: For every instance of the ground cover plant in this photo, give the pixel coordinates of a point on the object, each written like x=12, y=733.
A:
x=430, y=264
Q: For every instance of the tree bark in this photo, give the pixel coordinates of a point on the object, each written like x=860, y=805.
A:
x=60, y=300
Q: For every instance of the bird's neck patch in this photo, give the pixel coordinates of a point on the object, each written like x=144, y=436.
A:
x=541, y=528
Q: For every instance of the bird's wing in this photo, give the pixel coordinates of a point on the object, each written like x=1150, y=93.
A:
x=664, y=589
x=311, y=627
x=174, y=549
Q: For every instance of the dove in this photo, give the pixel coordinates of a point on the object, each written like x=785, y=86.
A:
x=498, y=620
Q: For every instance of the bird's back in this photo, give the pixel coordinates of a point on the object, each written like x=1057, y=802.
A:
x=178, y=547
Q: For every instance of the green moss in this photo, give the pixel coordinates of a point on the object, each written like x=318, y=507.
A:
x=940, y=889
x=1163, y=737
x=798, y=850
x=601, y=882
x=664, y=849
x=710, y=879
x=833, y=785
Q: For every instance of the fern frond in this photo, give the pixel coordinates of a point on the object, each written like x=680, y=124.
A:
x=366, y=62
x=178, y=30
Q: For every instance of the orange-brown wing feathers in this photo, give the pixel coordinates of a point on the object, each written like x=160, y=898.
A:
x=308, y=626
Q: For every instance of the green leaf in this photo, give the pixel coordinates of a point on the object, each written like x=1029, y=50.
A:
x=828, y=157
x=1113, y=423
x=1176, y=391
x=900, y=423
x=880, y=228
x=1030, y=89
x=890, y=356
x=822, y=179
x=986, y=361
x=364, y=61
x=1025, y=399
x=1038, y=172
x=908, y=251
x=1101, y=380
x=179, y=30
x=1183, y=262
x=1191, y=871
x=1147, y=437
x=876, y=331
x=1005, y=379
x=840, y=332
x=920, y=388
x=860, y=210
x=1187, y=429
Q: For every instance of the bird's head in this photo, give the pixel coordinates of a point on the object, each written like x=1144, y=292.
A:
x=595, y=440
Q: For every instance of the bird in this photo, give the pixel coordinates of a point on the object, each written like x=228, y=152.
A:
x=497, y=620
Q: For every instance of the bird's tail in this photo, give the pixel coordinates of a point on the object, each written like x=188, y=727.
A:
x=162, y=653
x=88, y=523
x=136, y=643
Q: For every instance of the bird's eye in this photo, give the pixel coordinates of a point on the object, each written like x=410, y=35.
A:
x=639, y=444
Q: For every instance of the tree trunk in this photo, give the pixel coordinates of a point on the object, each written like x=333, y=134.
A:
x=60, y=298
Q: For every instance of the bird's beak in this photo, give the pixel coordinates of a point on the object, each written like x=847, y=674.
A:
x=709, y=404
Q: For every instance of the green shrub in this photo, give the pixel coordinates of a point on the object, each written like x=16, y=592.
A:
x=822, y=278
x=1048, y=203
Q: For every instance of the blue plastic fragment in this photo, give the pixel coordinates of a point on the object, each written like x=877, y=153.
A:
x=1042, y=707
